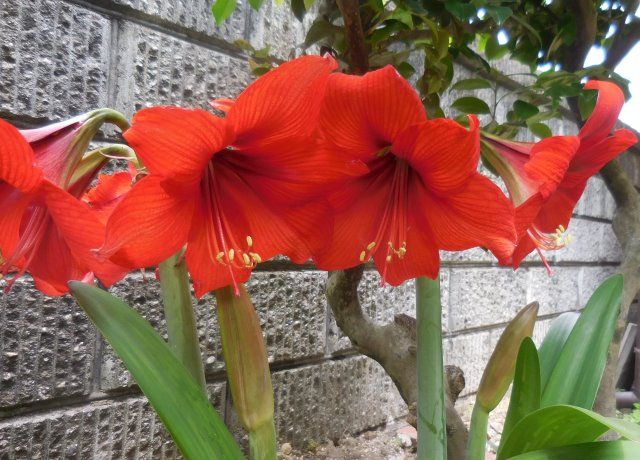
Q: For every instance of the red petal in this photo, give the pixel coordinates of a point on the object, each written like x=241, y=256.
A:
x=605, y=114
x=148, y=225
x=591, y=158
x=478, y=215
x=358, y=206
x=363, y=115
x=13, y=204
x=175, y=142
x=206, y=272
x=281, y=103
x=442, y=151
x=526, y=214
x=82, y=232
x=524, y=248
x=108, y=192
x=550, y=159
x=557, y=210
x=16, y=159
x=421, y=259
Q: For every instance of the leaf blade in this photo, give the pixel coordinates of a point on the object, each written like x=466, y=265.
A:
x=552, y=344
x=186, y=412
x=606, y=450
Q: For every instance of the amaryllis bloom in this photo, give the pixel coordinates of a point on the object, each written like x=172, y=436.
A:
x=421, y=191
x=546, y=179
x=109, y=191
x=44, y=228
x=232, y=189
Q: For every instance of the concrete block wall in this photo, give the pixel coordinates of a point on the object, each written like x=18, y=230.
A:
x=63, y=392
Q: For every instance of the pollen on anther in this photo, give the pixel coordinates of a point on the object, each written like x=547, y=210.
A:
x=231, y=254
x=249, y=241
x=363, y=254
x=371, y=245
x=256, y=257
x=388, y=258
x=219, y=257
x=246, y=260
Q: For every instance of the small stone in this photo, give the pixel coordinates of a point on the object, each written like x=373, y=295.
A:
x=286, y=449
x=405, y=440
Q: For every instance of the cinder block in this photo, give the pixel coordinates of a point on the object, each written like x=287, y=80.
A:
x=595, y=201
x=590, y=279
x=592, y=241
x=47, y=346
x=335, y=398
x=54, y=59
x=290, y=305
x=194, y=15
x=484, y=296
x=154, y=69
x=277, y=27
x=555, y=293
x=127, y=428
x=382, y=303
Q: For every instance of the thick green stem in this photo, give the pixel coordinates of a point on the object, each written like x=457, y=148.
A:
x=432, y=432
x=478, y=433
x=262, y=445
x=179, y=315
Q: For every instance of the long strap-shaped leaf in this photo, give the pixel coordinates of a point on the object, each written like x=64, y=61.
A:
x=608, y=450
x=553, y=343
x=192, y=421
x=576, y=376
x=558, y=426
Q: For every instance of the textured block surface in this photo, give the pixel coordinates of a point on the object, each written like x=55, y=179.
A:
x=54, y=59
x=47, y=347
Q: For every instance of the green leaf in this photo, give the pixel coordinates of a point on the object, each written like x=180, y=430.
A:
x=524, y=110
x=255, y=4
x=540, y=129
x=576, y=376
x=557, y=426
x=471, y=83
x=298, y=8
x=405, y=69
x=606, y=450
x=586, y=103
x=553, y=344
x=461, y=10
x=308, y=4
x=320, y=29
x=222, y=9
x=499, y=13
x=193, y=423
x=493, y=49
x=525, y=393
x=470, y=104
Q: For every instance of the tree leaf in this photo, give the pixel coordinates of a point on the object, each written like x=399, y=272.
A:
x=461, y=10
x=553, y=344
x=298, y=8
x=183, y=408
x=320, y=29
x=308, y=4
x=255, y=4
x=524, y=110
x=222, y=9
x=493, y=49
x=470, y=104
x=525, y=393
x=606, y=450
x=499, y=13
x=540, y=129
x=471, y=83
x=557, y=426
x=576, y=376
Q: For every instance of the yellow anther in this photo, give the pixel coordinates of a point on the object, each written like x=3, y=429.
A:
x=249, y=241
x=231, y=254
x=246, y=260
x=256, y=257
x=569, y=239
x=388, y=258
x=219, y=257
x=371, y=245
x=363, y=254
x=561, y=228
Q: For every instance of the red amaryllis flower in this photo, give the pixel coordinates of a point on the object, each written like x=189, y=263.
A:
x=230, y=188
x=44, y=229
x=546, y=179
x=422, y=191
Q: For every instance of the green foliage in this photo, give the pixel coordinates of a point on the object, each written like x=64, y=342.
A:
x=576, y=375
x=608, y=450
x=471, y=104
x=634, y=415
x=178, y=400
x=223, y=9
x=540, y=430
x=553, y=343
x=525, y=393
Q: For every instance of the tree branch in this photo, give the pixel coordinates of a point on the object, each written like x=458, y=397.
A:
x=585, y=15
x=394, y=347
x=356, y=44
x=627, y=38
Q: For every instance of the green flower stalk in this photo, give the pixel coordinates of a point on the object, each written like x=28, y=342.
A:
x=245, y=358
